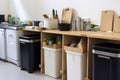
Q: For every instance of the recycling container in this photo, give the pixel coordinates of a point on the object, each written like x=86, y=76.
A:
x=76, y=65
x=53, y=61
x=106, y=61
x=29, y=52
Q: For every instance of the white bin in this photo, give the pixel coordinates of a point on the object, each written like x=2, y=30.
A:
x=53, y=62
x=76, y=66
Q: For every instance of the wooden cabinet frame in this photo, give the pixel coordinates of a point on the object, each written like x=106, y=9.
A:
x=67, y=36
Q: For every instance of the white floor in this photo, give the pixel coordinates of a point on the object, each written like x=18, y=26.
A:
x=10, y=71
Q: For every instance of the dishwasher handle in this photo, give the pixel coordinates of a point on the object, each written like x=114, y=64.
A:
x=22, y=42
x=29, y=41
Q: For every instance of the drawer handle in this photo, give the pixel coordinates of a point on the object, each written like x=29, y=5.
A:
x=105, y=57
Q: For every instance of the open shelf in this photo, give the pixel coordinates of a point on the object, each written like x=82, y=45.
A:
x=82, y=42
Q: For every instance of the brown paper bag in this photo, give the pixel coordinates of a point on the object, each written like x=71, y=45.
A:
x=106, y=21
x=116, y=27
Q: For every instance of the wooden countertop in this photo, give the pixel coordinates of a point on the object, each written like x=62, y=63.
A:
x=72, y=33
x=104, y=35
x=33, y=30
x=100, y=35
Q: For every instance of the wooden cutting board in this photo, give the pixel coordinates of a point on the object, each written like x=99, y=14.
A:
x=116, y=27
x=106, y=21
x=66, y=15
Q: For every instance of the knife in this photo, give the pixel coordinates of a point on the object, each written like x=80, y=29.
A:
x=56, y=15
x=53, y=13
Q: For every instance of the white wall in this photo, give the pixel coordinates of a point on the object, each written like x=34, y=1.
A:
x=4, y=7
x=25, y=9
x=34, y=9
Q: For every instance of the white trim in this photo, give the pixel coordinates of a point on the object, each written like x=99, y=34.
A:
x=76, y=53
x=52, y=49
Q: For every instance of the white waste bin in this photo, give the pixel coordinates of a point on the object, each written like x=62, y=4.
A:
x=76, y=66
x=53, y=62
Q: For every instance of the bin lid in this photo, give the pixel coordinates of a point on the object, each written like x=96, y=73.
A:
x=108, y=47
x=30, y=37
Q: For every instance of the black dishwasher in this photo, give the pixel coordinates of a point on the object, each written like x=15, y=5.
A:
x=29, y=52
x=106, y=61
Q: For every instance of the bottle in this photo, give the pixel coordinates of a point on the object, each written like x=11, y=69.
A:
x=8, y=18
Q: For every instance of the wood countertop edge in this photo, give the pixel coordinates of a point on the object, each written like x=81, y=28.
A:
x=100, y=35
x=104, y=35
x=33, y=30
